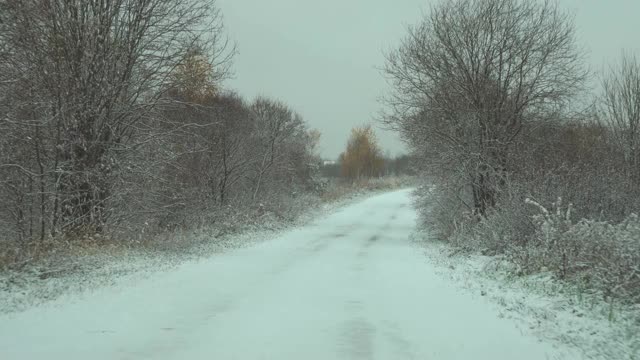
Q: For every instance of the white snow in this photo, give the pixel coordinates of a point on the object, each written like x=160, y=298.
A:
x=557, y=312
x=350, y=285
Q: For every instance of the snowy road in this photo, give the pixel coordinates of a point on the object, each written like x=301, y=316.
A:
x=347, y=286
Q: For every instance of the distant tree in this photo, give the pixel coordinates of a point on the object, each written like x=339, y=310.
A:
x=194, y=78
x=331, y=168
x=363, y=157
x=398, y=165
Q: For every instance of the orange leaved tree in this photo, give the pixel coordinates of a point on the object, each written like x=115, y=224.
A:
x=363, y=158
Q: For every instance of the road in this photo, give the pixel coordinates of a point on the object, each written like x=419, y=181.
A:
x=349, y=285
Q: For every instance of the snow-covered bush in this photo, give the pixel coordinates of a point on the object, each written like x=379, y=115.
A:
x=446, y=218
x=446, y=211
x=601, y=256
x=597, y=254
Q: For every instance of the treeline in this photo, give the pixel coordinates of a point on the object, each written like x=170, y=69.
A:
x=113, y=121
x=363, y=159
x=521, y=159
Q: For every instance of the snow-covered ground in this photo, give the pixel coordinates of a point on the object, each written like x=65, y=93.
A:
x=350, y=285
x=550, y=309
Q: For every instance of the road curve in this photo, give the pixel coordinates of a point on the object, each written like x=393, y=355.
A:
x=346, y=286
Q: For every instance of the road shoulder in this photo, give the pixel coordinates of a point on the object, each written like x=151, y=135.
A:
x=538, y=304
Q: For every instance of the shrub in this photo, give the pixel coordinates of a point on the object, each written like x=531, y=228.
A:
x=597, y=254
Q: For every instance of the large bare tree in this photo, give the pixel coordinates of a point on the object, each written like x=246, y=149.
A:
x=87, y=72
x=469, y=76
x=620, y=106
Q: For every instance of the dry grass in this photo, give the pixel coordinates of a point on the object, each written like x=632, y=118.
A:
x=340, y=189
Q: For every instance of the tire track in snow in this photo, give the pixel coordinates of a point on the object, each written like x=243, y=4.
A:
x=358, y=339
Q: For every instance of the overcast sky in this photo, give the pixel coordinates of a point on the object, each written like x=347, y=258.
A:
x=322, y=57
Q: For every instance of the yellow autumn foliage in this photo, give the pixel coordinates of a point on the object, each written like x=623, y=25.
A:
x=193, y=78
x=362, y=158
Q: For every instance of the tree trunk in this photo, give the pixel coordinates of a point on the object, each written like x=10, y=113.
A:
x=484, y=193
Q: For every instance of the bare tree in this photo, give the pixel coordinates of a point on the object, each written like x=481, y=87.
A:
x=620, y=107
x=229, y=144
x=91, y=70
x=276, y=126
x=471, y=73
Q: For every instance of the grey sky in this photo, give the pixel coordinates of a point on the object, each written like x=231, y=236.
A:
x=321, y=56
